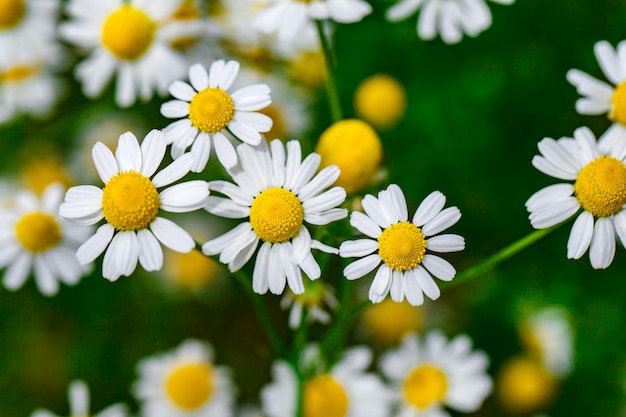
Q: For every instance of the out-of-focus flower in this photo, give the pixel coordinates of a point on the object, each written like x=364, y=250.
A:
x=599, y=97
x=184, y=382
x=437, y=373
x=78, y=395
x=345, y=390
x=210, y=112
x=308, y=67
x=130, y=205
x=524, y=385
x=276, y=192
x=34, y=238
x=380, y=100
x=598, y=171
x=289, y=18
x=355, y=148
x=387, y=322
x=192, y=270
x=404, y=248
x=129, y=40
x=450, y=18
x=310, y=303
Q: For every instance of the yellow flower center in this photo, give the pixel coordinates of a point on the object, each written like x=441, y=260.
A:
x=38, y=174
x=380, y=100
x=18, y=73
x=402, y=246
x=278, y=130
x=190, y=270
x=130, y=201
x=313, y=295
x=425, y=386
x=601, y=186
x=324, y=397
x=211, y=110
x=187, y=11
x=37, y=232
x=524, y=386
x=276, y=215
x=617, y=113
x=128, y=32
x=190, y=386
x=309, y=68
x=388, y=322
x=355, y=148
x=11, y=13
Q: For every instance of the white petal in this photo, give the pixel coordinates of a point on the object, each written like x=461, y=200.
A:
x=550, y=215
x=260, y=283
x=199, y=77
x=361, y=267
x=95, y=245
x=201, y=150
x=128, y=153
x=184, y=197
x=439, y=267
x=104, y=161
x=78, y=209
x=46, y=282
x=357, y=248
x=181, y=90
x=126, y=253
x=224, y=207
x=174, y=171
x=382, y=282
x=365, y=225
x=150, y=252
x=429, y=208
x=16, y=274
x=172, y=235
x=442, y=221
x=602, y=244
x=225, y=151
x=79, y=398
x=412, y=289
x=608, y=60
x=580, y=236
x=445, y=243
x=620, y=226
x=152, y=152
x=427, y=283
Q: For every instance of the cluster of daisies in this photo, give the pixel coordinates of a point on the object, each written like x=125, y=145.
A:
x=421, y=376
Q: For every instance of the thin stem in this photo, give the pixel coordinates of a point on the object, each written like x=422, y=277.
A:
x=331, y=83
x=498, y=257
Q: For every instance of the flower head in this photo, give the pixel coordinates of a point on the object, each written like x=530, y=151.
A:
x=184, y=382
x=310, y=304
x=380, y=100
x=405, y=248
x=210, y=111
x=435, y=373
x=524, y=385
x=130, y=203
x=277, y=193
x=596, y=187
x=78, y=394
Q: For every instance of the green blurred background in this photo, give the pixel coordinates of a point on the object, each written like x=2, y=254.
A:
x=476, y=111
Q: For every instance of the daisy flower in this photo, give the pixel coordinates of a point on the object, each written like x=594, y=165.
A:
x=599, y=97
x=78, y=394
x=210, y=112
x=598, y=173
x=290, y=18
x=130, y=203
x=437, y=373
x=404, y=248
x=130, y=40
x=34, y=238
x=184, y=382
x=345, y=390
x=450, y=18
x=524, y=385
x=309, y=304
x=276, y=193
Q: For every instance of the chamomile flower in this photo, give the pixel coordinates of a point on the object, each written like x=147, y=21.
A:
x=34, y=238
x=524, y=385
x=404, y=248
x=128, y=40
x=184, y=382
x=450, y=18
x=210, y=111
x=599, y=97
x=277, y=193
x=380, y=100
x=310, y=304
x=78, y=394
x=434, y=373
x=291, y=18
x=596, y=183
x=130, y=203
x=344, y=390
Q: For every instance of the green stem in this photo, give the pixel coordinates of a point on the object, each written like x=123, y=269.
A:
x=331, y=84
x=498, y=257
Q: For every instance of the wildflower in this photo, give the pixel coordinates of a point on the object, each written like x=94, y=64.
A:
x=437, y=373
x=277, y=193
x=344, y=390
x=211, y=112
x=310, y=303
x=130, y=39
x=355, y=148
x=598, y=173
x=34, y=238
x=130, y=203
x=451, y=18
x=404, y=248
x=524, y=385
x=388, y=322
x=380, y=100
x=184, y=382
x=78, y=395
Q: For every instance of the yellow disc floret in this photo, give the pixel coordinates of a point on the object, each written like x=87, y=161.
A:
x=324, y=397
x=279, y=128
x=355, y=148
x=130, y=201
x=11, y=13
x=380, y=100
x=276, y=215
x=190, y=386
x=38, y=174
x=402, y=246
x=425, y=386
x=601, y=186
x=617, y=113
x=19, y=73
x=524, y=386
x=190, y=270
x=37, y=232
x=211, y=110
x=128, y=32
x=388, y=322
